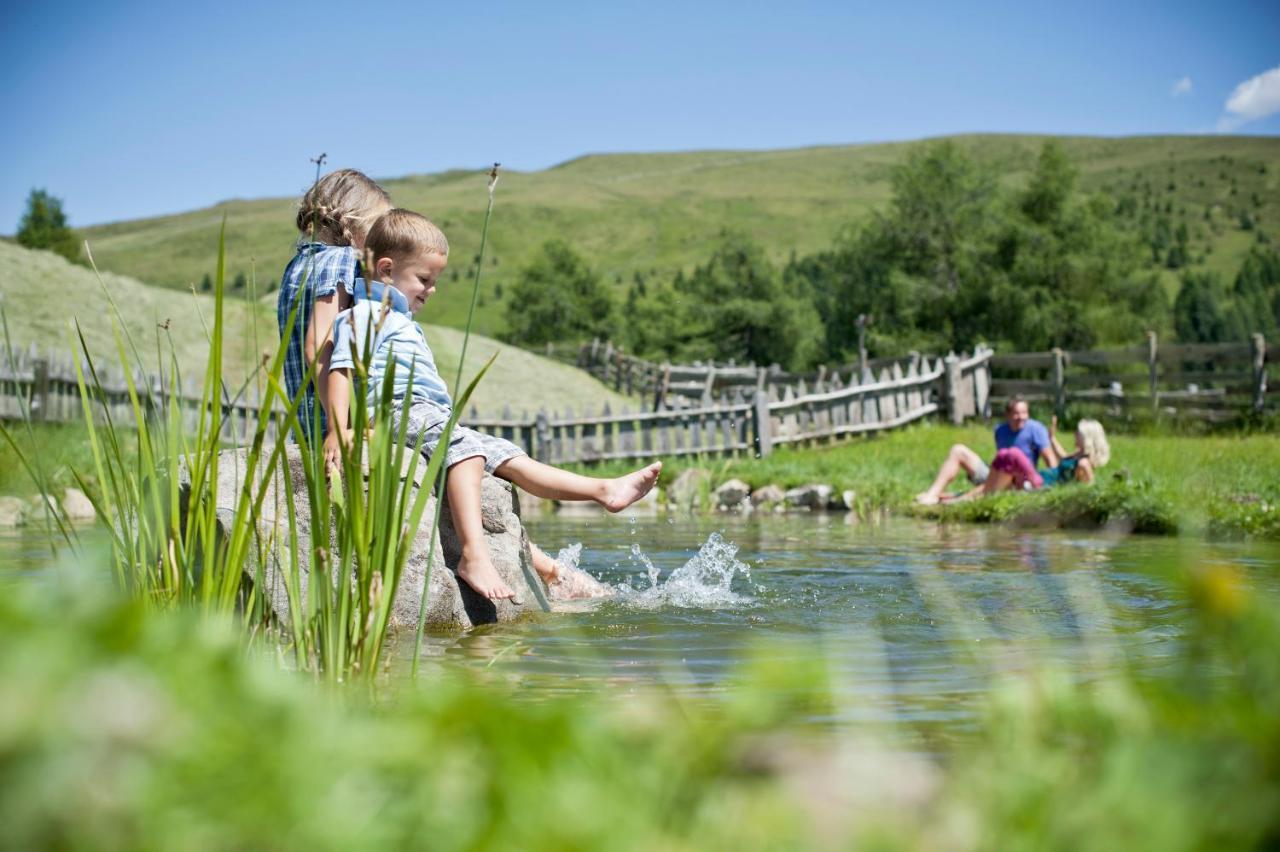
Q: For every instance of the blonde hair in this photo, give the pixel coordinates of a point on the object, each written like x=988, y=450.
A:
x=1093, y=442
x=400, y=233
x=341, y=207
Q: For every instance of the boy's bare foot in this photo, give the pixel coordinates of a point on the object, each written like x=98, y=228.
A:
x=625, y=490
x=924, y=498
x=477, y=571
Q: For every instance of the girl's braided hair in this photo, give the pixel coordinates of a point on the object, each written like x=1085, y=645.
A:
x=342, y=206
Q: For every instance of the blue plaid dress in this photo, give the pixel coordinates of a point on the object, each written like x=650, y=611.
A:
x=316, y=271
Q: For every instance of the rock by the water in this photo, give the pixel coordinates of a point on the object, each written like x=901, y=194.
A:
x=686, y=491
x=732, y=496
x=769, y=495
x=843, y=501
x=451, y=602
x=815, y=496
x=38, y=503
x=13, y=512
x=77, y=506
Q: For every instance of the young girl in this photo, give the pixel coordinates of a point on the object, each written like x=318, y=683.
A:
x=1011, y=468
x=334, y=217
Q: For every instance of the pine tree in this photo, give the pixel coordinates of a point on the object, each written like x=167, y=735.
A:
x=44, y=226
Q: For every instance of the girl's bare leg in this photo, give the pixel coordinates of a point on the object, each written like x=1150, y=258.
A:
x=476, y=568
x=548, y=569
x=552, y=483
x=960, y=458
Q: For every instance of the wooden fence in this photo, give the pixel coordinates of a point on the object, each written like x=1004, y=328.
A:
x=664, y=383
x=755, y=420
x=45, y=385
x=1211, y=381
x=745, y=420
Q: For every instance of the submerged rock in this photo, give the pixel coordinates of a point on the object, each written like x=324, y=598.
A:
x=451, y=602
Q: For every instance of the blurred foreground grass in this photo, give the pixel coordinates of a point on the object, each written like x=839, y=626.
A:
x=123, y=727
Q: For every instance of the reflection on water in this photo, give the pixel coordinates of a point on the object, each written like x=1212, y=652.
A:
x=910, y=619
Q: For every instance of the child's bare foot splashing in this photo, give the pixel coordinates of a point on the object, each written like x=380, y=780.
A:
x=625, y=490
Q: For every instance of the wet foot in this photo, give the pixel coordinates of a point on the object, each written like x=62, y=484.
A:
x=924, y=498
x=478, y=573
x=625, y=490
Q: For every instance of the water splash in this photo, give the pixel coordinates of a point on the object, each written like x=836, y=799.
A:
x=574, y=583
x=704, y=582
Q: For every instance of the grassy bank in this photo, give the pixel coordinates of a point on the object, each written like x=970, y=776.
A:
x=123, y=727
x=1223, y=485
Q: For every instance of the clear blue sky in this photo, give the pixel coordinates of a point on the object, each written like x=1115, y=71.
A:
x=153, y=108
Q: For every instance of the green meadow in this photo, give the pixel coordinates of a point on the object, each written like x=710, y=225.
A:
x=659, y=213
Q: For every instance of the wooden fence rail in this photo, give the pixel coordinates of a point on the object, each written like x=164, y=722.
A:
x=746, y=419
x=1212, y=381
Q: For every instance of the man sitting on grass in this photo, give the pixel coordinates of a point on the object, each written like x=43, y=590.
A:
x=1018, y=430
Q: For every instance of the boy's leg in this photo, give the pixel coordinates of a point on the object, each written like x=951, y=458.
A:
x=543, y=480
x=476, y=568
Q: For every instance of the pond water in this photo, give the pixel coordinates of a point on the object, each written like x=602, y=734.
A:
x=910, y=619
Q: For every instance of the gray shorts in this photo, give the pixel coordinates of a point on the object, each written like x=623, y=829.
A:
x=426, y=423
x=980, y=473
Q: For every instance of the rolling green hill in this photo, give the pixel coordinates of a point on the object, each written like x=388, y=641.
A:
x=42, y=294
x=629, y=212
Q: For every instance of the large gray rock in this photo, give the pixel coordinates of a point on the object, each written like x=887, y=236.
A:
x=451, y=603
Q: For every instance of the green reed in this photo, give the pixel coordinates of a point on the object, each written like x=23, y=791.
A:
x=155, y=482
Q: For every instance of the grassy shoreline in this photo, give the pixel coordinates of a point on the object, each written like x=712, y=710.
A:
x=1222, y=485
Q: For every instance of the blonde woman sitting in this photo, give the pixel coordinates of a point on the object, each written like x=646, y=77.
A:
x=1013, y=471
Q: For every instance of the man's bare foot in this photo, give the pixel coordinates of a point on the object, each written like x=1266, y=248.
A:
x=625, y=490
x=477, y=571
x=924, y=498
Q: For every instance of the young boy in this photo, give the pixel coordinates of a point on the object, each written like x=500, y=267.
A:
x=407, y=254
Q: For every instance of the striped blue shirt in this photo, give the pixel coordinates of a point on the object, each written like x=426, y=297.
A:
x=397, y=339
x=316, y=271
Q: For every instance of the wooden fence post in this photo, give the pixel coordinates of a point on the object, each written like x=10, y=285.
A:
x=951, y=379
x=660, y=383
x=1059, y=383
x=541, y=436
x=1259, y=372
x=764, y=431
x=40, y=389
x=1154, y=368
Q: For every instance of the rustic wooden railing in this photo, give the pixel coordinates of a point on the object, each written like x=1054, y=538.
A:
x=818, y=407
x=1211, y=381
x=664, y=382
